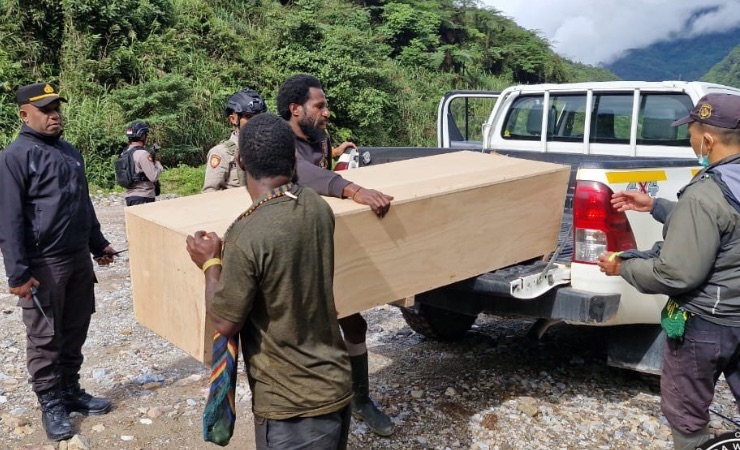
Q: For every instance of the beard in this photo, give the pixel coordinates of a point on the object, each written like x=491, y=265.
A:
x=312, y=132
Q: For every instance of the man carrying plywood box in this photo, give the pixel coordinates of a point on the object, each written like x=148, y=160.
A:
x=275, y=290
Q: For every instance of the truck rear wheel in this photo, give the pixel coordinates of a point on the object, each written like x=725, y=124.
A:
x=437, y=323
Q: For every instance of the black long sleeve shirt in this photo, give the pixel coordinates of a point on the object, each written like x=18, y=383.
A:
x=44, y=203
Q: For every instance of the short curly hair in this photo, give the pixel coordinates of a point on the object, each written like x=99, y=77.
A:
x=267, y=147
x=295, y=89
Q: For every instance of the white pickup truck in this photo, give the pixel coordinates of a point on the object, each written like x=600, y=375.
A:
x=614, y=136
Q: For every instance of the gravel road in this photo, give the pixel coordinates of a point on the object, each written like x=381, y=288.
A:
x=494, y=389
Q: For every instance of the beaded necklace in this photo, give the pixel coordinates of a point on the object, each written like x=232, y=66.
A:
x=281, y=191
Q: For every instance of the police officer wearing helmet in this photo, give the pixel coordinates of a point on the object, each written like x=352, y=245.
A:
x=146, y=168
x=48, y=230
x=222, y=171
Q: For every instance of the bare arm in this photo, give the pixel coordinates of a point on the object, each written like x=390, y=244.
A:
x=379, y=202
x=203, y=247
x=223, y=326
x=631, y=200
x=336, y=151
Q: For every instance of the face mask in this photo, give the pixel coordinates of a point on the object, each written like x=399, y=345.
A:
x=703, y=159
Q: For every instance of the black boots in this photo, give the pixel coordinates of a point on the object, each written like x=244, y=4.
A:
x=56, y=404
x=362, y=405
x=77, y=400
x=54, y=415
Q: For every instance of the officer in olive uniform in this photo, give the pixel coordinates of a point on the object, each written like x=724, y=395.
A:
x=222, y=171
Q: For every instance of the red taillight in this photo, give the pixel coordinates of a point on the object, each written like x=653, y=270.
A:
x=341, y=165
x=597, y=226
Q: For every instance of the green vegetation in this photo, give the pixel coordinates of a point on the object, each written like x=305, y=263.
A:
x=183, y=180
x=173, y=63
x=726, y=71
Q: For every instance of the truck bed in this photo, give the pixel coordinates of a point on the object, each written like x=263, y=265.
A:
x=497, y=283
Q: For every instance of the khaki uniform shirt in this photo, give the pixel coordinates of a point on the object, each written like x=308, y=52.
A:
x=277, y=279
x=222, y=171
x=144, y=163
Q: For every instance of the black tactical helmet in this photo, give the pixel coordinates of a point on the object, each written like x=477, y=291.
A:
x=246, y=102
x=137, y=130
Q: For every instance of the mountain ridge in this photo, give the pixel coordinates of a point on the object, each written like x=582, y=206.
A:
x=689, y=58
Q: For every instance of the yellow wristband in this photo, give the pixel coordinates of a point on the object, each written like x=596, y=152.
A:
x=614, y=255
x=211, y=262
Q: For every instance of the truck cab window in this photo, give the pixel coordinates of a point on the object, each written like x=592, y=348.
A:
x=657, y=112
x=611, y=118
x=568, y=121
x=524, y=120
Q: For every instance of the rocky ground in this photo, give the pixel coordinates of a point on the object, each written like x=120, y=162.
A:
x=495, y=389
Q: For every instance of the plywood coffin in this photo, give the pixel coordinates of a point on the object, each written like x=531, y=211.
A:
x=454, y=216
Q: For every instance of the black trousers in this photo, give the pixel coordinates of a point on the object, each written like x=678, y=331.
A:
x=327, y=432
x=66, y=294
x=354, y=328
x=691, y=368
x=131, y=201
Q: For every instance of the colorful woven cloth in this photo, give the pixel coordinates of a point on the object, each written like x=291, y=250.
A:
x=220, y=413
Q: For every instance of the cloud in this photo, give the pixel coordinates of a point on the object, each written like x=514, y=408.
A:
x=599, y=31
x=725, y=17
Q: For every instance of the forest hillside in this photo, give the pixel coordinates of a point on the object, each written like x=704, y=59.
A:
x=173, y=63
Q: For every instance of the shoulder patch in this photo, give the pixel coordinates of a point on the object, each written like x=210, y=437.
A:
x=214, y=161
x=150, y=157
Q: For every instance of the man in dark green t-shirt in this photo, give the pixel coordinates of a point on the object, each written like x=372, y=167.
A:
x=275, y=288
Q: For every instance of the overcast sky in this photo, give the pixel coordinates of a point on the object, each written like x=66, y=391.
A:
x=594, y=31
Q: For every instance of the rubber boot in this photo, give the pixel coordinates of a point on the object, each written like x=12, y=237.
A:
x=77, y=400
x=362, y=405
x=54, y=416
x=689, y=441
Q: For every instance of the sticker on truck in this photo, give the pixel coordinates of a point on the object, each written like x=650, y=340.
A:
x=645, y=181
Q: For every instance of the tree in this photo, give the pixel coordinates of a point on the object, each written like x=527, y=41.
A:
x=727, y=71
x=384, y=64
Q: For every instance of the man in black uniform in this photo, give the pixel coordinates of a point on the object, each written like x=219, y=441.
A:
x=301, y=101
x=48, y=229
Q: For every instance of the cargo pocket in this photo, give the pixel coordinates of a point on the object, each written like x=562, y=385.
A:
x=703, y=349
x=37, y=325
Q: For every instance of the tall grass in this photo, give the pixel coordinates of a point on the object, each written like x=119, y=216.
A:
x=183, y=180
